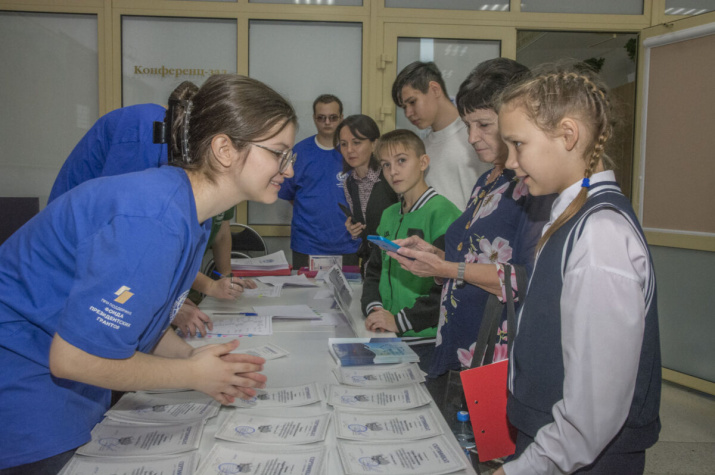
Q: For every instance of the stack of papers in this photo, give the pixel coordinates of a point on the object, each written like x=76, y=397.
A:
x=282, y=397
x=272, y=264
x=373, y=399
x=371, y=351
x=239, y=458
x=391, y=426
x=433, y=456
x=385, y=376
x=255, y=428
x=121, y=439
x=146, y=433
x=163, y=408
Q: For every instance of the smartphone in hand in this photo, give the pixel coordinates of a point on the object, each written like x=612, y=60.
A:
x=348, y=214
x=383, y=243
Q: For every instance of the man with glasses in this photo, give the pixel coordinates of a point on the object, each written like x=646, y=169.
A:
x=316, y=190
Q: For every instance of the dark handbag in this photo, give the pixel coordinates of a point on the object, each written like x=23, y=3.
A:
x=454, y=399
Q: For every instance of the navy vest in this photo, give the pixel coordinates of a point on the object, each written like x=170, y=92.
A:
x=538, y=370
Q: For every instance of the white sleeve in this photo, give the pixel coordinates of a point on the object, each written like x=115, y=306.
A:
x=602, y=324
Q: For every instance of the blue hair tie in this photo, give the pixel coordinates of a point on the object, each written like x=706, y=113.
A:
x=585, y=183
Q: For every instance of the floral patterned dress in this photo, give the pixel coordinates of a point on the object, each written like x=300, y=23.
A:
x=501, y=225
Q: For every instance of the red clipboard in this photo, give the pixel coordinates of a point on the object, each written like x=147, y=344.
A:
x=260, y=273
x=486, y=392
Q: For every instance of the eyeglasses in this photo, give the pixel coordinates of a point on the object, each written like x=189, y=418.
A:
x=285, y=157
x=326, y=118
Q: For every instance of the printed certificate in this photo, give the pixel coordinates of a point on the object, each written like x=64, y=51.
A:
x=268, y=429
x=282, y=397
x=373, y=426
x=405, y=397
x=183, y=464
x=380, y=376
x=227, y=458
x=114, y=439
x=163, y=407
x=433, y=456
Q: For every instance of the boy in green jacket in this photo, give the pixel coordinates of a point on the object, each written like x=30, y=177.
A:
x=394, y=299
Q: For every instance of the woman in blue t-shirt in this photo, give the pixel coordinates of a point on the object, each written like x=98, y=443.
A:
x=89, y=286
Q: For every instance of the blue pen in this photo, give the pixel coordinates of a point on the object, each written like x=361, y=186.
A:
x=248, y=314
x=218, y=273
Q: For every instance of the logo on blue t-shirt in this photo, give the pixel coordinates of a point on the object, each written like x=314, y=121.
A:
x=341, y=176
x=123, y=294
x=177, y=305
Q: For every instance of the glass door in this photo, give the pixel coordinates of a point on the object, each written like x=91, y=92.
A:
x=456, y=50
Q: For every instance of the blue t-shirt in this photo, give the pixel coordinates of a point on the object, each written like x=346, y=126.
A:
x=120, y=142
x=318, y=225
x=106, y=266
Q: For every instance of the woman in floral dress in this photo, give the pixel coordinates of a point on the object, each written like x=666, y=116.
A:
x=501, y=225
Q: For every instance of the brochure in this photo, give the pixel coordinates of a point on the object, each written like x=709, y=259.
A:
x=371, y=351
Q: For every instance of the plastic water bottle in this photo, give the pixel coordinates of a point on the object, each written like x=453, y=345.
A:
x=463, y=433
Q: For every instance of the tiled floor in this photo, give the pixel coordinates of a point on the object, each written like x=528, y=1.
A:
x=687, y=439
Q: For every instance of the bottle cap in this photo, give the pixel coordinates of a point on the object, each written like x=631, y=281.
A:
x=463, y=416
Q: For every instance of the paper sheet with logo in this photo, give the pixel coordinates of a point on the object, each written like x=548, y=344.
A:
x=282, y=397
x=170, y=465
x=226, y=458
x=163, y=407
x=386, y=399
x=433, y=456
x=373, y=426
x=111, y=438
x=258, y=428
x=381, y=376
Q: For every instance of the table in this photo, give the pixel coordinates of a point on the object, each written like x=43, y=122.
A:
x=309, y=360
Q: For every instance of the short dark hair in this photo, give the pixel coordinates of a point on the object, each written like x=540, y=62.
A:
x=486, y=81
x=327, y=99
x=363, y=127
x=417, y=75
x=406, y=138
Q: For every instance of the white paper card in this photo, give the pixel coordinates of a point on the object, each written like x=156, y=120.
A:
x=387, y=399
x=379, y=376
x=282, y=397
x=110, y=438
x=432, y=456
x=372, y=426
x=256, y=428
x=183, y=464
x=227, y=458
x=163, y=408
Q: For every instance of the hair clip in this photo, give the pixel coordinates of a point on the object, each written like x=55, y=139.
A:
x=585, y=183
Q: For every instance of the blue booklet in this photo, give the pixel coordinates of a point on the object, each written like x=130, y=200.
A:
x=371, y=351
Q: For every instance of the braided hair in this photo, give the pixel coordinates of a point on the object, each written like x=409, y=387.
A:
x=550, y=96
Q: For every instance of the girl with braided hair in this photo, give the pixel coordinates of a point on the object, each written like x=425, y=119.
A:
x=584, y=373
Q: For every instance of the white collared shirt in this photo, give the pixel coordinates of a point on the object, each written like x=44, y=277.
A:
x=602, y=323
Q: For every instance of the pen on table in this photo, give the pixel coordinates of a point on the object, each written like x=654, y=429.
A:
x=227, y=276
